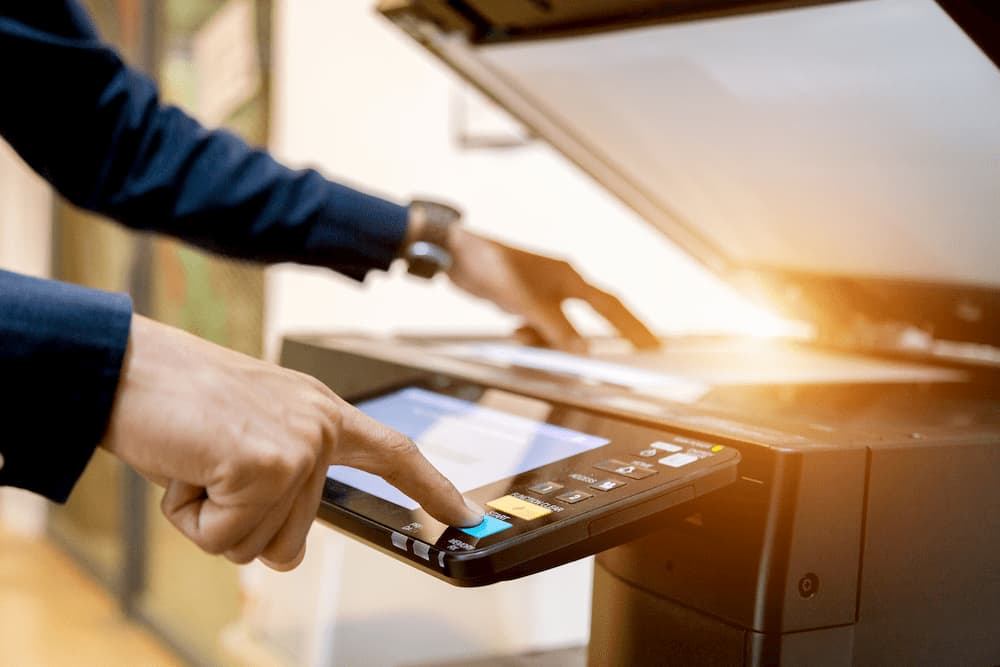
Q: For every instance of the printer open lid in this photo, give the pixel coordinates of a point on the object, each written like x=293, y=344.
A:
x=841, y=159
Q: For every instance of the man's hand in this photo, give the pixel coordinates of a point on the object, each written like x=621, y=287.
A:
x=243, y=446
x=534, y=287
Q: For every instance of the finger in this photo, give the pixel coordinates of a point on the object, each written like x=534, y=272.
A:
x=293, y=476
x=621, y=318
x=285, y=566
x=527, y=335
x=212, y=527
x=263, y=533
x=555, y=329
x=154, y=478
x=373, y=447
x=287, y=547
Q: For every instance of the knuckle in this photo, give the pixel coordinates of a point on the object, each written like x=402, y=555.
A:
x=319, y=387
x=236, y=470
x=312, y=385
x=399, y=448
x=239, y=556
x=292, y=463
x=269, y=469
x=212, y=543
x=282, y=554
x=399, y=445
x=167, y=509
x=315, y=432
x=331, y=439
x=235, y=431
x=267, y=460
x=335, y=417
x=304, y=460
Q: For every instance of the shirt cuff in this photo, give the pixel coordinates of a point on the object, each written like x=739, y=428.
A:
x=61, y=347
x=356, y=232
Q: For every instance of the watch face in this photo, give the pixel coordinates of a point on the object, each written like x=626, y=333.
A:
x=426, y=259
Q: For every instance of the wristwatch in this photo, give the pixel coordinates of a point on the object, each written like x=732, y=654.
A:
x=428, y=251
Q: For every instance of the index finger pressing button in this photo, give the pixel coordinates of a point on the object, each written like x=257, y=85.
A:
x=489, y=526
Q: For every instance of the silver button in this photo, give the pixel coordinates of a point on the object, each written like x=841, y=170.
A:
x=422, y=550
x=399, y=540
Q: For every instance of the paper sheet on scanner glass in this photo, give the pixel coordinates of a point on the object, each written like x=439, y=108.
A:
x=685, y=371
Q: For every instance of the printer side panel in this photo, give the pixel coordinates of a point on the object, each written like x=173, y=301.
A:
x=930, y=581
x=821, y=580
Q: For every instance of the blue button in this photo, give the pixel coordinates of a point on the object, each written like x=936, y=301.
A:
x=488, y=527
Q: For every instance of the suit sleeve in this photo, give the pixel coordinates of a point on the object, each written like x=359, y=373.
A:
x=96, y=130
x=61, y=351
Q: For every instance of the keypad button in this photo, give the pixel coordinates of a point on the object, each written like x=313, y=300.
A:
x=522, y=509
x=607, y=485
x=667, y=447
x=624, y=469
x=610, y=465
x=422, y=550
x=545, y=488
x=572, y=497
x=678, y=460
x=634, y=472
x=399, y=540
x=648, y=453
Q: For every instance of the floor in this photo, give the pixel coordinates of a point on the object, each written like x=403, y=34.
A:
x=52, y=614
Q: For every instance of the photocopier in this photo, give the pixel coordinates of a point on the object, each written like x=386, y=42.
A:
x=839, y=161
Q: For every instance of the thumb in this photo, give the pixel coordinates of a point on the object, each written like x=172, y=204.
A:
x=212, y=527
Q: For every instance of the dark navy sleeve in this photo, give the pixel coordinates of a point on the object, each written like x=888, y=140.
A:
x=96, y=130
x=61, y=351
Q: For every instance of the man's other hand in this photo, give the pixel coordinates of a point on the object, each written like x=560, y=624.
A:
x=534, y=287
x=243, y=446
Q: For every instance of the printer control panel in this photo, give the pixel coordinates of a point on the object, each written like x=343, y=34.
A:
x=550, y=477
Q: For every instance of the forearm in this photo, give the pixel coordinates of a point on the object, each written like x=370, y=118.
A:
x=61, y=350
x=97, y=131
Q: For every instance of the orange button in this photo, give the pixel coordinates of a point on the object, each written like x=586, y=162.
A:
x=522, y=509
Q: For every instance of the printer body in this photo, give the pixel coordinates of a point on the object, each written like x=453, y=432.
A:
x=864, y=527
x=840, y=162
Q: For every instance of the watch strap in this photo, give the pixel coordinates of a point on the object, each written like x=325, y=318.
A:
x=435, y=220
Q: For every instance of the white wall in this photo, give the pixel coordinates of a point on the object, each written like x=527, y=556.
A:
x=25, y=229
x=360, y=101
x=25, y=216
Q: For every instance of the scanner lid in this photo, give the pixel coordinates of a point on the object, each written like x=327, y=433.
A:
x=839, y=158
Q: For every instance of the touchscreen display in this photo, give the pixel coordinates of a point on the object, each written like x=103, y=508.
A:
x=470, y=444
